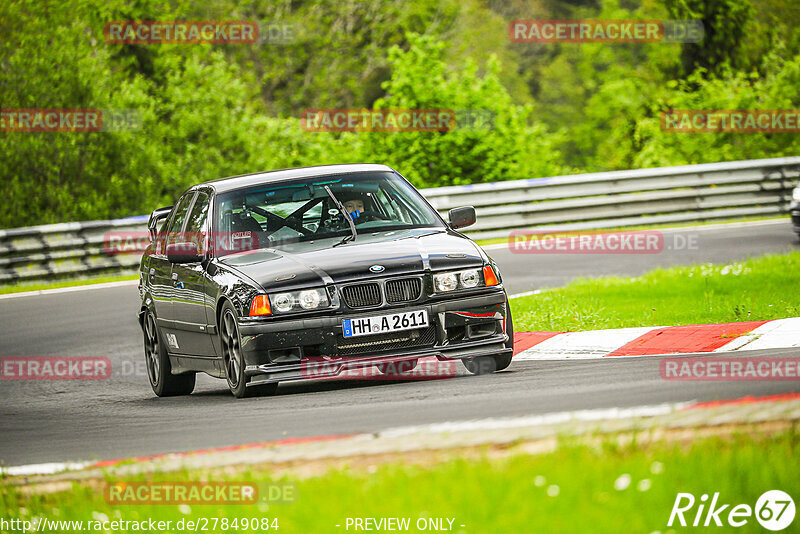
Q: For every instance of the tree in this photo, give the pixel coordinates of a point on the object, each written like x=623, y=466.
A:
x=729, y=34
x=511, y=146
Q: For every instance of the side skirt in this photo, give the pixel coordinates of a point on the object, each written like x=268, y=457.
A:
x=210, y=365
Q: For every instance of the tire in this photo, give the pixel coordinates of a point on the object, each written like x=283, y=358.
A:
x=483, y=365
x=159, y=370
x=397, y=369
x=233, y=360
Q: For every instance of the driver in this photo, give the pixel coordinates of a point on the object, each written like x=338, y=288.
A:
x=354, y=205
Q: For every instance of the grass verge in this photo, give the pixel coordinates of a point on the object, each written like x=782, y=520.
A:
x=760, y=288
x=579, y=487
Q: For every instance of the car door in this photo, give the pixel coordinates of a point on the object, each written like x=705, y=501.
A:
x=160, y=270
x=189, y=302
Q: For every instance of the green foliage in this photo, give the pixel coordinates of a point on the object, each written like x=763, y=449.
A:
x=209, y=111
x=752, y=290
x=734, y=90
x=508, y=145
x=198, y=121
x=577, y=487
x=727, y=26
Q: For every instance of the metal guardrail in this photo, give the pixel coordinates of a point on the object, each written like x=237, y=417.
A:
x=710, y=191
x=60, y=251
x=706, y=192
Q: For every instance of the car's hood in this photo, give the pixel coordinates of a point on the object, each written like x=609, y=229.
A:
x=304, y=264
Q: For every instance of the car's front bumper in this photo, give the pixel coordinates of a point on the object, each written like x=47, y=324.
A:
x=794, y=211
x=297, y=349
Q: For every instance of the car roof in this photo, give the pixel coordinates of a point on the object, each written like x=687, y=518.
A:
x=246, y=180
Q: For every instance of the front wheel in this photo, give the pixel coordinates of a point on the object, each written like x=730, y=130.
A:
x=159, y=370
x=234, y=360
x=484, y=365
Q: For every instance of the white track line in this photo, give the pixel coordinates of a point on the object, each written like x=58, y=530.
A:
x=525, y=294
x=536, y=420
x=717, y=226
x=104, y=285
x=43, y=469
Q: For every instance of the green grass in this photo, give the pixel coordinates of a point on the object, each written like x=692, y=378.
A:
x=756, y=289
x=496, y=240
x=576, y=488
x=39, y=286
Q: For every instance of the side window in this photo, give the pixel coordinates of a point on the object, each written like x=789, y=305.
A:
x=199, y=214
x=312, y=217
x=180, y=215
x=391, y=207
x=196, y=225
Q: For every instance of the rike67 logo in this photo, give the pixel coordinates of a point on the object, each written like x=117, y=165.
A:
x=774, y=510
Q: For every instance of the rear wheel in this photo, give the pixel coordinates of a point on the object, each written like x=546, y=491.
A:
x=483, y=365
x=234, y=360
x=159, y=370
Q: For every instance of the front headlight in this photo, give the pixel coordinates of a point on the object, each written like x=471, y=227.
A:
x=445, y=282
x=310, y=299
x=470, y=279
x=307, y=299
x=283, y=302
x=796, y=194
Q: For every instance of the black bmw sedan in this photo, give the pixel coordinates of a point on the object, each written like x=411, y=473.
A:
x=302, y=273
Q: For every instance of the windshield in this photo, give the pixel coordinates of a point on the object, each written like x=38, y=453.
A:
x=272, y=215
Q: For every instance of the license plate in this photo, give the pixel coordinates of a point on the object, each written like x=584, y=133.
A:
x=380, y=324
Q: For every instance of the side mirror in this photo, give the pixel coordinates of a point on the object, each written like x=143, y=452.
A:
x=183, y=253
x=461, y=217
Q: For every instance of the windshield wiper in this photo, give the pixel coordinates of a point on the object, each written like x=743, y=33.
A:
x=346, y=215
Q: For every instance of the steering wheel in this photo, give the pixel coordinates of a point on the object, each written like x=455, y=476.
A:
x=369, y=216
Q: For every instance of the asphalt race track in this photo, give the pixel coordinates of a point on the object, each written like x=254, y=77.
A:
x=54, y=421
